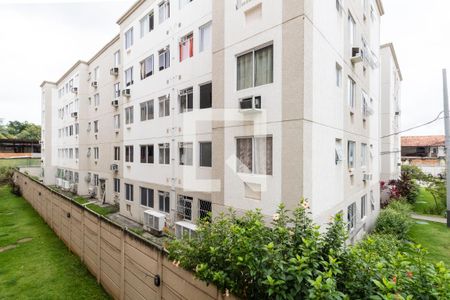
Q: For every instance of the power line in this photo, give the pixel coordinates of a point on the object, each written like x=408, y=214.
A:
x=415, y=127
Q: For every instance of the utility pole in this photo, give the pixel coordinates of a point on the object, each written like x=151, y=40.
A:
x=447, y=144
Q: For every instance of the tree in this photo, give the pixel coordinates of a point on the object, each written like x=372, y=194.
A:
x=20, y=130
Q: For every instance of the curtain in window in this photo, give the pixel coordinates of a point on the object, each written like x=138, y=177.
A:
x=150, y=110
x=263, y=155
x=245, y=71
x=264, y=66
x=244, y=155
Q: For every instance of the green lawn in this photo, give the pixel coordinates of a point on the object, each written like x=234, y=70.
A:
x=41, y=268
x=104, y=211
x=20, y=162
x=424, y=202
x=435, y=237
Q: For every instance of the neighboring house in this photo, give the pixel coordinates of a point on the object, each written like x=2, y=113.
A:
x=219, y=104
x=390, y=113
x=426, y=152
x=10, y=148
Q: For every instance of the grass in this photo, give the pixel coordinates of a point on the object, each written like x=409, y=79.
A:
x=19, y=162
x=80, y=200
x=42, y=268
x=424, y=202
x=435, y=237
x=104, y=211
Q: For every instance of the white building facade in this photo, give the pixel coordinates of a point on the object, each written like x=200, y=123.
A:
x=241, y=104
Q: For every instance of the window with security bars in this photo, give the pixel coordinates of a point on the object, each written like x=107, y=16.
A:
x=184, y=207
x=204, y=209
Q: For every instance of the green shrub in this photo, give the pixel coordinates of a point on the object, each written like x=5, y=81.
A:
x=6, y=174
x=401, y=205
x=393, y=221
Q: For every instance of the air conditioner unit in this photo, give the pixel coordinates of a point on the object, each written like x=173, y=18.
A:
x=183, y=228
x=154, y=221
x=357, y=55
x=74, y=188
x=59, y=182
x=114, y=71
x=92, y=191
x=126, y=92
x=66, y=185
x=114, y=167
x=74, y=90
x=74, y=115
x=94, y=84
x=250, y=104
x=115, y=103
x=367, y=177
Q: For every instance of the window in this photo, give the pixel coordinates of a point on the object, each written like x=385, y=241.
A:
x=77, y=153
x=338, y=75
x=363, y=155
x=164, y=201
x=129, y=76
x=205, y=37
x=364, y=104
x=147, y=67
x=351, y=216
x=117, y=90
x=147, y=197
x=164, y=106
x=129, y=38
x=70, y=130
x=117, y=153
x=147, y=154
x=129, y=111
x=147, y=110
x=205, y=209
x=164, y=11
x=147, y=24
x=254, y=155
x=116, y=185
x=255, y=68
x=205, y=154
x=77, y=128
x=184, y=208
x=372, y=201
x=339, y=5
x=206, y=95
x=351, y=30
x=129, y=192
x=183, y=3
x=164, y=58
x=186, y=100
x=363, y=206
x=117, y=58
x=338, y=151
x=351, y=154
x=117, y=122
x=186, y=47
x=96, y=126
x=164, y=154
x=351, y=92
x=97, y=99
x=76, y=177
x=96, y=73
x=95, y=180
x=96, y=153
x=186, y=153
x=129, y=153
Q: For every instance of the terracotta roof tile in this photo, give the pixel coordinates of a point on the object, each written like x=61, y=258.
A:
x=423, y=141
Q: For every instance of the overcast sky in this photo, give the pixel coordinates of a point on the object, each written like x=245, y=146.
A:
x=41, y=41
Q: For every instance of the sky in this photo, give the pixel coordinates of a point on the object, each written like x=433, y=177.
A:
x=40, y=40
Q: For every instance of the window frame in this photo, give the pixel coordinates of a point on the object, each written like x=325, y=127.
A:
x=129, y=192
x=253, y=52
x=184, y=207
x=129, y=153
x=253, y=155
x=165, y=200
x=164, y=148
x=200, y=144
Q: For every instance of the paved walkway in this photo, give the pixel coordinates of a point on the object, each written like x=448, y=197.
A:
x=429, y=218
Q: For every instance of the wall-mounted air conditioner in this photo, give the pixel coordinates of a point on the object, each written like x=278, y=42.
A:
x=74, y=90
x=183, y=228
x=66, y=185
x=126, y=92
x=154, y=221
x=92, y=191
x=114, y=167
x=250, y=104
x=357, y=55
x=115, y=103
x=74, y=114
x=59, y=182
x=94, y=84
x=367, y=177
x=114, y=71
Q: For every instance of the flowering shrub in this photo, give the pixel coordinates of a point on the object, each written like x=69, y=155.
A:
x=292, y=259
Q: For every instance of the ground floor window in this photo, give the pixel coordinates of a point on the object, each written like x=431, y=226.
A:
x=146, y=197
x=164, y=201
x=184, y=207
x=351, y=216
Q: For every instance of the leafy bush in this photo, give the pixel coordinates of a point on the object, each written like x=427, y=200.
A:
x=401, y=205
x=395, y=222
x=6, y=174
x=292, y=259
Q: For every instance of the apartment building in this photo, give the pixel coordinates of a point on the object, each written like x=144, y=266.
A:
x=241, y=104
x=390, y=113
